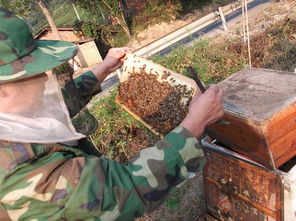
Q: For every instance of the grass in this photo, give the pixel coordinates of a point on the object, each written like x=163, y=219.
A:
x=275, y=48
x=119, y=135
x=213, y=63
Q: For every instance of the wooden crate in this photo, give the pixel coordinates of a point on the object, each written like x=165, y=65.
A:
x=237, y=188
x=260, y=115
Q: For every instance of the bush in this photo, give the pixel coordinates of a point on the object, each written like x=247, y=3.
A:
x=275, y=48
x=108, y=34
x=213, y=63
x=156, y=11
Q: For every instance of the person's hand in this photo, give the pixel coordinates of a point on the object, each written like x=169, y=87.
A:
x=114, y=58
x=204, y=110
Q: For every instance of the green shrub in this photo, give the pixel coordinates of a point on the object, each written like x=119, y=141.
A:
x=111, y=35
x=156, y=11
x=120, y=39
x=91, y=29
x=213, y=63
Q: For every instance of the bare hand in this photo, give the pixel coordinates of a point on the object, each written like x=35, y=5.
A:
x=114, y=58
x=204, y=110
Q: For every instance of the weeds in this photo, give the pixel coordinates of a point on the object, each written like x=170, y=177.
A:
x=275, y=48
x=119, y=135
x=212, y=63
x=173, y=203
x=156, y=11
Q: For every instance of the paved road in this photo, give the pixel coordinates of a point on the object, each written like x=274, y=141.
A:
x=216, y=28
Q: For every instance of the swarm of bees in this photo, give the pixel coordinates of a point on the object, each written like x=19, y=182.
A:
x=157, y=102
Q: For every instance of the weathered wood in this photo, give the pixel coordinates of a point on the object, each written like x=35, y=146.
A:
x=207, y=217
x=238, y=190
x=261, y=108
x=137, y=117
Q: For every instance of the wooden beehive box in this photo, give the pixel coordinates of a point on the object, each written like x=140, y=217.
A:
x=260, y=115
x=134, y=64
x=237, y=188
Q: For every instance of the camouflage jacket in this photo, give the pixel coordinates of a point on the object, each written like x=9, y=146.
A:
x=77, y=93
x=58, y=182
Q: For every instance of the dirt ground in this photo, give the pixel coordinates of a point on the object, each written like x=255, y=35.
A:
x=188, y=203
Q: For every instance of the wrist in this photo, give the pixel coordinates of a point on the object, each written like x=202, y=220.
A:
x=104, y=67
x=101, y=71
x=194, y=126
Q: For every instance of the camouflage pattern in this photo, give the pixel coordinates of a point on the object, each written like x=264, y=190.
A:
x=77, y=93
x=22, y=56
x=58, y=182
x=55, y=182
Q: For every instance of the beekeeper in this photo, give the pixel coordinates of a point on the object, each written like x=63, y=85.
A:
x=43, y=177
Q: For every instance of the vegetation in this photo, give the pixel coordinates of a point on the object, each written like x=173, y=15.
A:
x=189, y=5
x=275, y=48
x=108, y=21
x=213, y=63
x=20, y=7
x=156, y=11
x=113, y=9
x=119, y=135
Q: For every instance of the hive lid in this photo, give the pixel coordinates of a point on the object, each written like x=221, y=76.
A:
x=258, y=93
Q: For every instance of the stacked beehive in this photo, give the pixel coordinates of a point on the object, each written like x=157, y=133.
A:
x=243, y=178
x=260, y=116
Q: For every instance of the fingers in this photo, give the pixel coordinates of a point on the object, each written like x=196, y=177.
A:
x=204, y=109
x=115, y=58
x=118, y=53
x=213, y=89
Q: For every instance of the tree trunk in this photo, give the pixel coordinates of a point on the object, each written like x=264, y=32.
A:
x=121, y=21
x=125, y=26
x=50, y=20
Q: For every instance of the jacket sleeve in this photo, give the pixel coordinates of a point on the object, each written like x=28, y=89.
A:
x=64, y=185
x=79, y=91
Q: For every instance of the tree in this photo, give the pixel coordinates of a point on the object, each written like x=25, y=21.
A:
x=49, y=19
x=112, y=8
x=24, y=7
